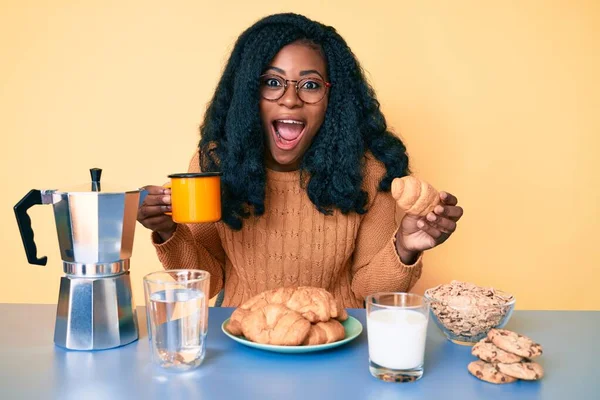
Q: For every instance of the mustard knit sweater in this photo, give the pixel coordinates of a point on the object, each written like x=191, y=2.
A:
x=293, y=244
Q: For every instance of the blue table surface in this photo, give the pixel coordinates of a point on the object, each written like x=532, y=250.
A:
x=32, y=367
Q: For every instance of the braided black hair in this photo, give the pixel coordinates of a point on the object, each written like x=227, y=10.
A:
x=232, y=139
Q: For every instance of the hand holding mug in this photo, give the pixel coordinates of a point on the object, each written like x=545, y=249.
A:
x=189, y=198
x=152, y=212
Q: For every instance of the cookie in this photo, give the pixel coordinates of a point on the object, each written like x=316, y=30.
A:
x=488, y=372
x=487, y=351
x=515, y=343
x=526, y=370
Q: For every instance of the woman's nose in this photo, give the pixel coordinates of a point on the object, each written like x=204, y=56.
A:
x=290, y=98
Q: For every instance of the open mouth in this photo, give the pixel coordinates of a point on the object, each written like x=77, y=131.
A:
x=288, y=132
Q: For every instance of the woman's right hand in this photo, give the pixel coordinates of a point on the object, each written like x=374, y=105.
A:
x=152, y=215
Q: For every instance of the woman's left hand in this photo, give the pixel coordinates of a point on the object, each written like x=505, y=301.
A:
x=418, y=234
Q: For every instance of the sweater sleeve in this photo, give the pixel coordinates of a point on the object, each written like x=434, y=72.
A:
x=376, y=266
x=194, y=246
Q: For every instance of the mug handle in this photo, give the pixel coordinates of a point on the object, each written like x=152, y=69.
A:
x=168, y=186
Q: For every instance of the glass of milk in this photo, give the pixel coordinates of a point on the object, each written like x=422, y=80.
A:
x=177, y=317
x=397, y=331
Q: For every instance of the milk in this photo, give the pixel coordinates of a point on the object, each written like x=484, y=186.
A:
x=397, y=338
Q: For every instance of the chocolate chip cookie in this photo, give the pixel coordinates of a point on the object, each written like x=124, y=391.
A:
x=526, y=370
x=515, y=343
x=488, y=372
x=488, y=351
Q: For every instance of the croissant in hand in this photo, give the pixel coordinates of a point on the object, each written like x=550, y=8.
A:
x=414, y=196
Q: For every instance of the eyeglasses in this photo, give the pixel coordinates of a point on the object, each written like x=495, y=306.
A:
x=309, y=90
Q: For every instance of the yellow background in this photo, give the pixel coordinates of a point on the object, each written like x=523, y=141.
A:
x=498, y=102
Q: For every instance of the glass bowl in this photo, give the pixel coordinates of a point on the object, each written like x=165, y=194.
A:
x=466, y=324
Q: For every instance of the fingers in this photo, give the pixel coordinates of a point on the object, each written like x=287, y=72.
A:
x=431, y=230
x=159, y=223
x=448, y=199
x=151, y=213
x=441, y=222
x=146, y=212
x=445, y=225
x=452, y=212
x=158, y=199
x=152, y=189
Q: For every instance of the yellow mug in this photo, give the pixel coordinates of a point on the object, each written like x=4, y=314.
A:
x=195, y=197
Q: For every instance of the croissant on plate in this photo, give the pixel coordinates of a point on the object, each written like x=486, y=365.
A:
x=325, y=332
x=275, y=324
x=414, y=196
x=290, y=316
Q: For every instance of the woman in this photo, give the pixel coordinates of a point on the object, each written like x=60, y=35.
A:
x=307, y=165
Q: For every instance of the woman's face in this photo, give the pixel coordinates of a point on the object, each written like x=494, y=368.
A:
x=289, y=123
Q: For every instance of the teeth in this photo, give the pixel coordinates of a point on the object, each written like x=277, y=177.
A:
x=290, y=121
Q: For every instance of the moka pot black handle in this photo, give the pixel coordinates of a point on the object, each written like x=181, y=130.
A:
x=34, y=197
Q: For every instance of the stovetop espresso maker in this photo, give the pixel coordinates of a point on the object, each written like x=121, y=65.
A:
x=95, y=227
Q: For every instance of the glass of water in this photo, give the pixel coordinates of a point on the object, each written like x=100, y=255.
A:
x=397, y=332
x=177, y=317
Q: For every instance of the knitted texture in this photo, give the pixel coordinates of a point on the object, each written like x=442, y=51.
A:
x=293, y=244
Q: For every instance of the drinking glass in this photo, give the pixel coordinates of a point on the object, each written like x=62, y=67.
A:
x=177, y=317
x=397, y=331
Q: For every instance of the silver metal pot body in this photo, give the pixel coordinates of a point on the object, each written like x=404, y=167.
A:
x=94, y=228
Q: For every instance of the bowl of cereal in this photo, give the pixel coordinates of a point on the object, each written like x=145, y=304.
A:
x=465, y=312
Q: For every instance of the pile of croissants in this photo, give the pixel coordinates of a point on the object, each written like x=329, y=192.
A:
x=293, y=316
